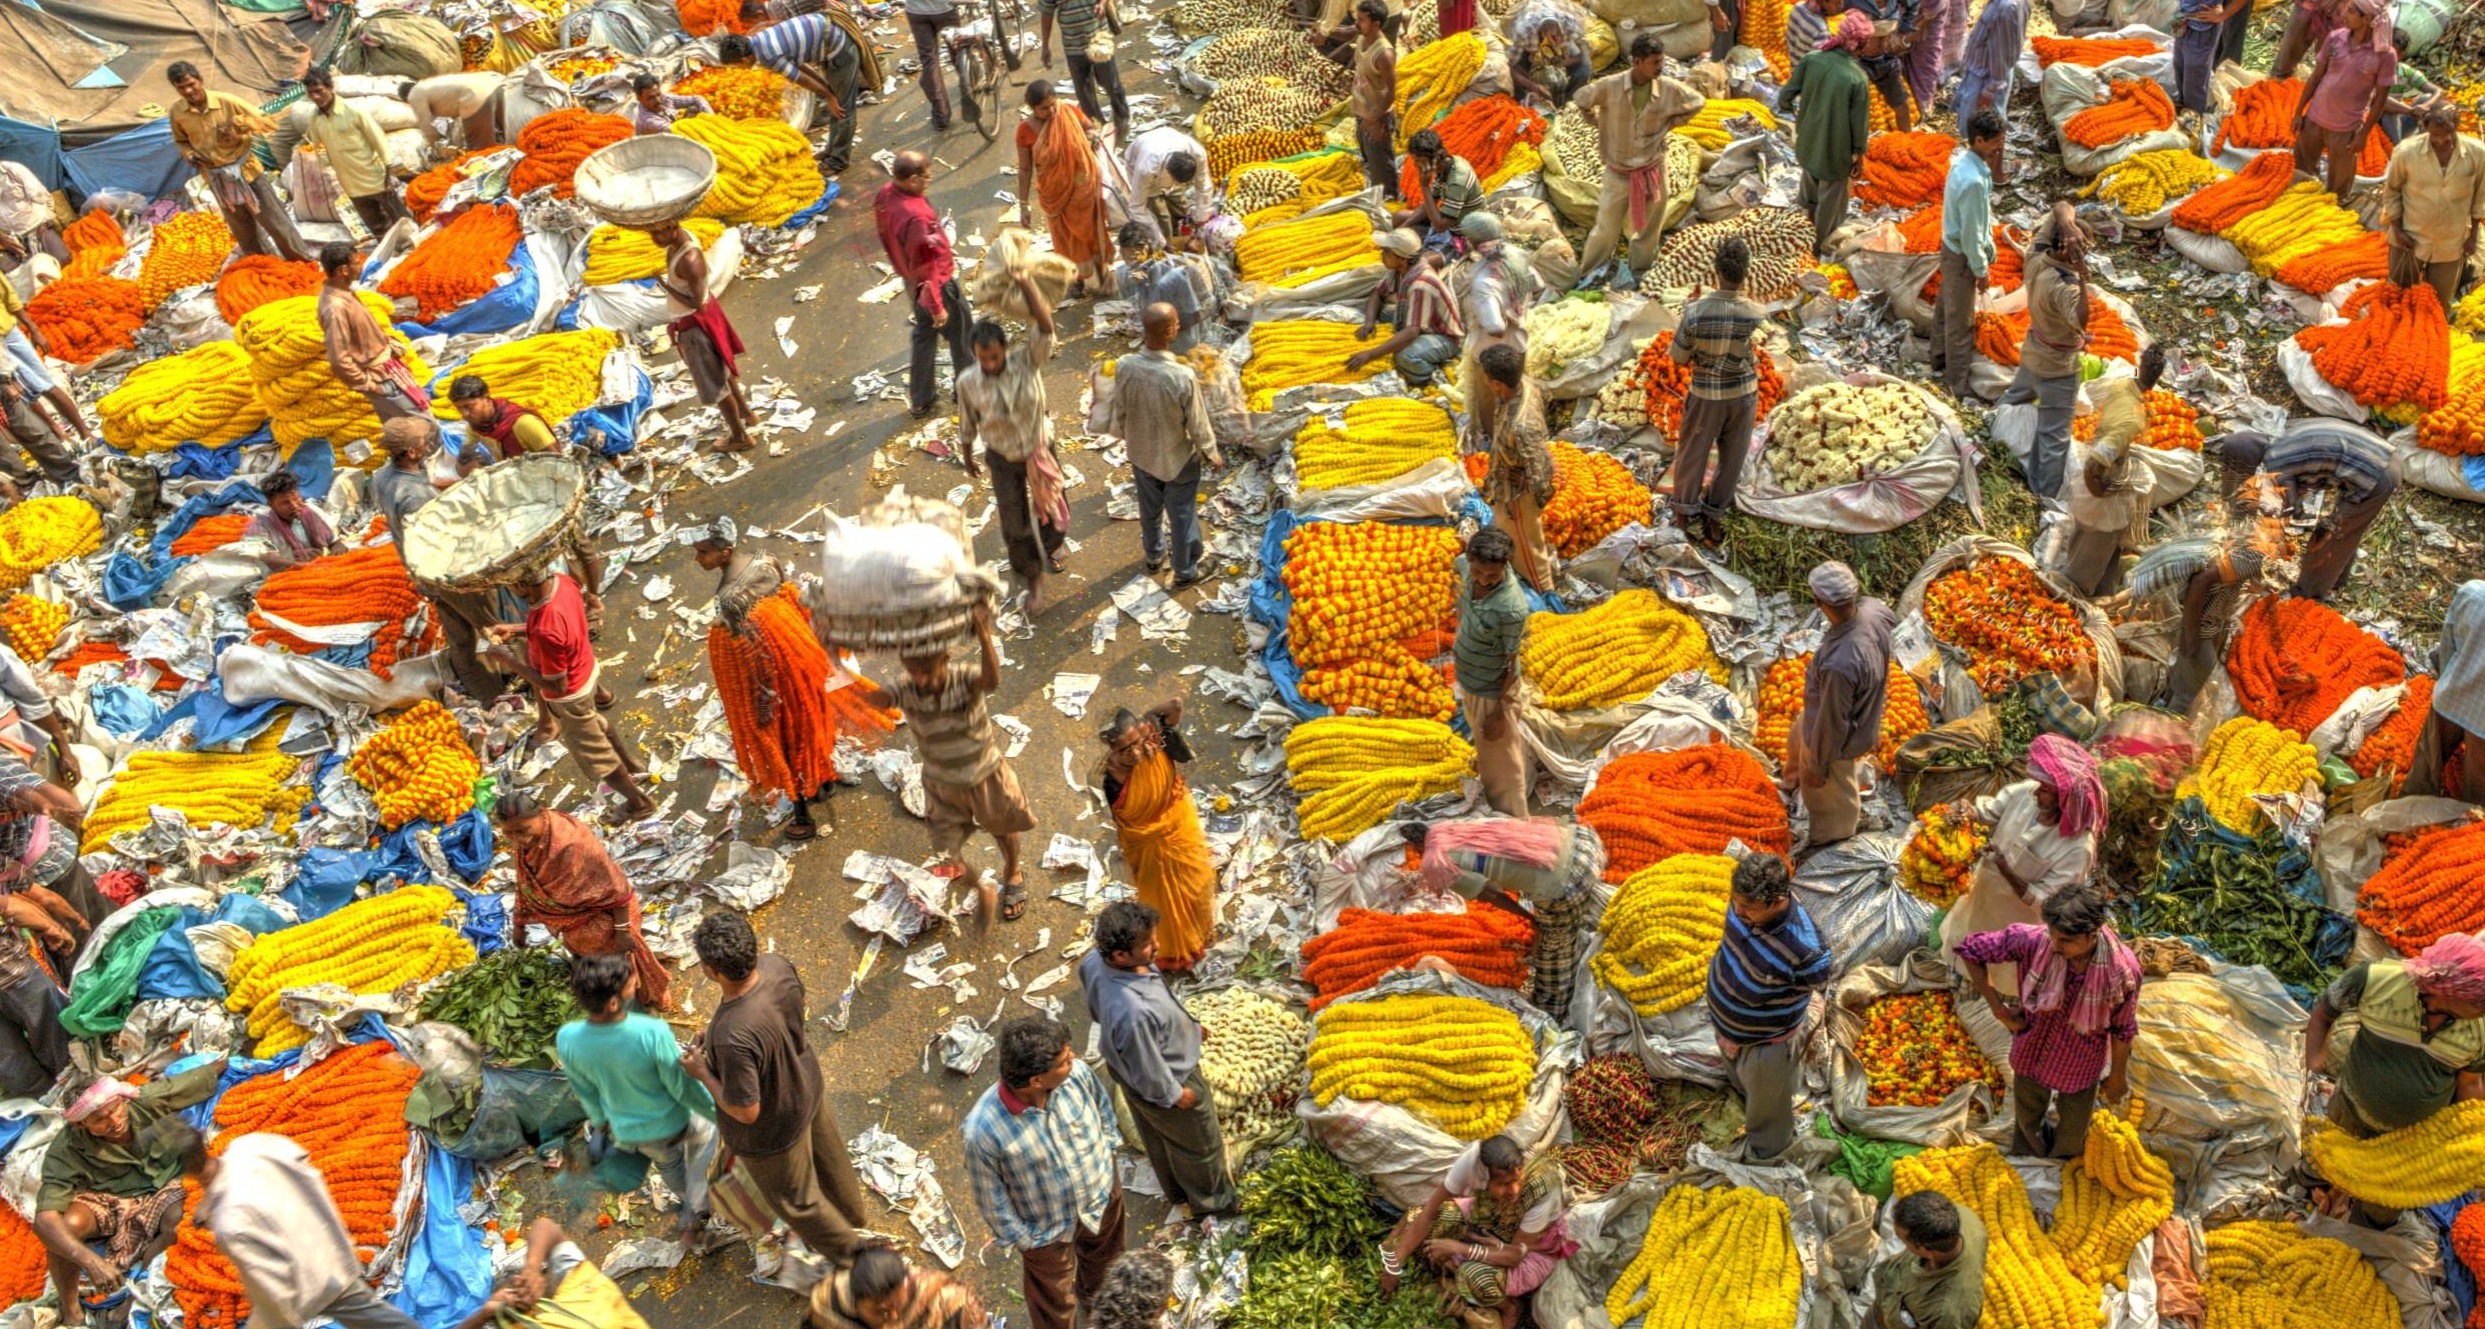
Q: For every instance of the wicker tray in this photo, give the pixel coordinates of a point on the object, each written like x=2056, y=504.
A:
x=487, y=528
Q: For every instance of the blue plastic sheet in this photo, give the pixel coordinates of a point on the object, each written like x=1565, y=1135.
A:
x=448, y=1271
x=327, y=877
x=487, y=922
x=142, y=161
x=197, y=461
x=35, y=147
x=130, y=583
x=1270, y=606
x=613, y=430
x=2472, y=469
x=123, y=708
x=11, y=1130
x=219, y=721
x=173, y=971
x=506, y=306
x=818, y=206
x=250, y=913
x=324, y=881
x=315, y=463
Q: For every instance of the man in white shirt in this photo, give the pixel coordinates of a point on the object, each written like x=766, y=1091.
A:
x=1170, y=184
x=269, y=1211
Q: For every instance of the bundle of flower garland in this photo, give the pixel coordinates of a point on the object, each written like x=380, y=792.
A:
x=1351, y=771
x=1432, y=76
x=1905, y=170
x=85, y=317
x=2245, y=757
x=782, y=645
x=1359, y=589
x=1721, y=1258
x=1375, y=439
x=2457, y=427
x=2134, y=106
x=1651, y=806
x=619, y=254
x=1255, y=190
x=1919, y=232
x=237, y=789
x=289, y=365
x=2007, y=623
x=425, y=192
x=1251, y=1058
x=373, y=945
x=2293, y=661
x=40, y=532
x=1884, y=120
x=765, y=172
x=95, y=243
x=1660, y=929
x=2114, y=1194
x=1486, y=944
x=348, y=1113
x=707, y=18
x=1764, y=30
x=1915, y=1053
x=749, y=92
x=2365, y=258
x=2467, y=1237
x=1666, y=383
x=1481, y=132
x=2027, y=1281
x=2173, y=423
x=203, y=395
x=554, y=374
x=25, y=1263
x=1318, y=177
x=556, y=142
x=360, y=586
x=187, y=251
x=457, y=263
x=1257, y=51
x=1999, y=337
x=2393, y=350
x=2426, y=888
x=1781, y=701
x=255, y=279
x=1939, y=862
x=33, y=625
x=419, y=768
x=2216, y=207
x=1707, y=126
x=1617, y=652
x=2091, y=51
x=1258, y=104
x=2268, y=1275
x=572, y=68
x=1235, y=151
x=1594, y=495
x=2263, y=116
x=1306, y=249
x=1615, y=1115
x=2305, y=219
x=2145, y=181
x=1290, y=353
x=1780, y=240
x=1563, y=332
x=1460, y=1064
x=2391, y=747
x=211, y=533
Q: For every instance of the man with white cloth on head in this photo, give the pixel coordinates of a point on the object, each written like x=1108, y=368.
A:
x=1845, y=690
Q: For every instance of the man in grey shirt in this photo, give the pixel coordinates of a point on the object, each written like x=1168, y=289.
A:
x=398, y=490
x=1151, y=1045
x=1845, y=691
x=1157, y=411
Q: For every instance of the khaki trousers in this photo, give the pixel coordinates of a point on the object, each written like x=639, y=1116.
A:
x=1613, y=214
x=1500, y=763
x=1835, y=805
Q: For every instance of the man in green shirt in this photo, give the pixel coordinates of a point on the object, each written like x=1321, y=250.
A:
x=1939, y=1281
x=1830, y=101
x=1492, y=620
x=114, y=1177
x=2417, y=1043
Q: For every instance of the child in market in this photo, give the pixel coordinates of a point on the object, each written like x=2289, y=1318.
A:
x=626, y=1068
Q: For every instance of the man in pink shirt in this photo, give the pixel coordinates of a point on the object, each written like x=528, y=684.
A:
x=911, y=233
x=560, y=665
x=2342, y=100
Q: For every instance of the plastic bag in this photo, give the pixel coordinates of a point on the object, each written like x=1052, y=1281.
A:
x=312, y=185
x=2219, y=1066
x=2066, y=89
x=1434, y=490
x=2451, y=477
x=2313, y=390
x=1952, y=1122
x=1865, y=916
x=903, y=572
x=1875, y=503
x=2351, y=847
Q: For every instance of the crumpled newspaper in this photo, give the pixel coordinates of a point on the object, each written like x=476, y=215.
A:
x=903, y=1177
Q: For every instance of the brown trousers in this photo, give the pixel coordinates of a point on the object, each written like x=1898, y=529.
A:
x=812, y=1187
x=1058, y=1277
x=1500, y=763
x=2445, y=278
x=1954, y=314
x=1724, y=427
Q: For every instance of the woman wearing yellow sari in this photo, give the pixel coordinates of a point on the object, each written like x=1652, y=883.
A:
x=1159, y=828
x=1057, y=164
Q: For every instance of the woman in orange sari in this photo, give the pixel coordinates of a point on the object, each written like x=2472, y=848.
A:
x=1057, y=162
x=1160, y=834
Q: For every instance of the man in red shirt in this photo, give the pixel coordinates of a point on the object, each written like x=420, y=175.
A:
x=560, y=665
x=910, y=230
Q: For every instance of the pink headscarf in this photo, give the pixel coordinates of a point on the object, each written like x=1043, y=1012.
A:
x=2067, y=769
x=1853, y=30
x=2452, y=967
x=1536, y=843
x=2379, y=12
x=98, y=1096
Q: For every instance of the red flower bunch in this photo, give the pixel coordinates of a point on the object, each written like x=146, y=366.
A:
x=2294, y=660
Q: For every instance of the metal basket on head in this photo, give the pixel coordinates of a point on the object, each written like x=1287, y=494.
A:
x=646, y=181
x=494, y=524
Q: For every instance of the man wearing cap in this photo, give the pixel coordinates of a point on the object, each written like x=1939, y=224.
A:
x=1830, y=101
x=1499, y=287
x=1424, y=319
x=1633, y=111
x=399, y=488
x=114, y=1176
x=1844, y=690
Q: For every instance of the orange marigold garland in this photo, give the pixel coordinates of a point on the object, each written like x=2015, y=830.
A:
x=1481, y=132
x=333, y=590
x=2325, y=270
x=2467, y=1231
x=255, y=279
x=2091, y=51
x=458, y=262
x=1594, y=495
x=773, y=679
x=740, y=93
x=2263, y=116
x=1485, y=944
x=1650, y=806
x=85, y=317
x=2393, y=350
x=1915, y=1053
x=1905, y=170
x=2214, y=208
x=1361, y=591
x=95, y=244
x=1666, y=382
x=2391, y=747
x=2135, y=106
x=424, y=192
x=1781, y=702
x=2173, y=423
x=419, y=768
x=2009, y=625
x=706, y=18
x=2426, y=887
x=556, y=142
x=2294, y=660
x=1999, y=336
x=1921, y=229
x=25, y=1269
x=208, y=534
x=187, y=251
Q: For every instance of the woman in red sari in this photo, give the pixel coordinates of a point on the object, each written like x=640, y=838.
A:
x=1057, y=164
x=568, y=883
x=1170, y=866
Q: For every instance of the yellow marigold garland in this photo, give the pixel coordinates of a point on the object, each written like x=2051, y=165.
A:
x=372, y=945
x=289, y=366
x=203, y=395
x=555, y=374
x=764, y=169
x=2028, y=1284
x=1432, y=76
x=2114, y=1194
x=1721, y=1258
x=33, y=625
x=1461, y=1064
x=188, y=250
x=618, y=253
x=1352, y=771
x=1307, y=248
x=1290, y=353
x=40, y=532
x=2434, y=1160
x=1660, y=930
x=419, y=768
x=2265, y=1275
x=1376, y=439
x=2245, y=757
x=207, y=788
x=1617, y=652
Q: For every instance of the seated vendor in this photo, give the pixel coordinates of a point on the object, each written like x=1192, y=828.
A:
x=1491, y=1231
x=556, y=1285
x=2416, y=1047
x=1149, y=275
x=1549, y=866
x=114, y=1177
x=1450, y=192
x=293, y=531
x=1552, y=67
x=512, y=430
x=1938, y=1281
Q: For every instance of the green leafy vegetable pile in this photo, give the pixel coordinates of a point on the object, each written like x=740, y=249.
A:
x=1315, y=1253
x=513, y=1001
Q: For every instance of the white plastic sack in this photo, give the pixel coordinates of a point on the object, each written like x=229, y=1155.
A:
x=312, y=185
x=1875, y=503
x=2431, y=471
x=2213, y=253
x=2351, y=845
x=2219, y=1066
x=2158, y=67
x=1852, y=892
x=902, y=555
x=1432, y=490
x=1569, y=747
x=2313, y=390
x=251, y=674
x=1954, y=1120
x=2067, y=89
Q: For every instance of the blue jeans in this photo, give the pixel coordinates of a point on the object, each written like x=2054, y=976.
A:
x=29, y=363
x=1421, y=360
x=2195, y=53
x=1170, y=503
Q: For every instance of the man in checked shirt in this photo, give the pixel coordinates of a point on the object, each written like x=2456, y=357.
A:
x=1716, y=339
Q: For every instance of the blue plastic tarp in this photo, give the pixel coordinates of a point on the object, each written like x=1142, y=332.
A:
x=219, y=721
x=613, y=430
x=327, y=877
x=124, y=708
x=197, y=461
x=818, y=206
x=1270, y=606
x=487, y=920
x=35, y=147
x=315, y=463
x=324, y=881
x=448, y=1270
x=131, y=583
x=142, y=161
x=506, y=306
x=172, y=970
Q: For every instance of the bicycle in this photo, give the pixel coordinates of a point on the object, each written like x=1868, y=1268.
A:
x=979, y=65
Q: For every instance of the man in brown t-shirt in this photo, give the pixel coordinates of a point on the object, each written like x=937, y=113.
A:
x=769, y=1106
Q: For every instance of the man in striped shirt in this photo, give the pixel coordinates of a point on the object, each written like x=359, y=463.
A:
x=2316, y=452
x=1040, y=1152
x=967, y=781
x=1079, y=20
x=1760, y=986
x=1716, y=340
x=1425, y=331
x=816, y=54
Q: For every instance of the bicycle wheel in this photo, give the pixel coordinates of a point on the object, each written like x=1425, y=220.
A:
x=1001, y=34
x=979, y=82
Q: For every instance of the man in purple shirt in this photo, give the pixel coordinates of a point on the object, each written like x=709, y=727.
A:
x=2343, y=99
x=2072, y=1027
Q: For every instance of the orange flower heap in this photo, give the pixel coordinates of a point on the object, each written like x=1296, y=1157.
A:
x=424, y=192
x=740, y=93
x=1920, y=230
x=2218, y=206
x=95, y=243
x=187, y=251
x=348, y=1114
x=2457, y=427
x=25, y=1270
x=1650, y=806
x=1999, y=336
x=1481, y=133
x=1485, y=944
x=2091, y=51
x=706, y=18
x=556, y=142
x=33, y=625
x=2173, y=423
x=458, y=262
x=2263, y=116
x=2008, y=624
x=2135, y=106
x=1594, y=495
x=773, y=678
x=1915, y=1053
x=2391, y=747
x=1905, y=170
x=255, y=279
x=2393, y=350
x=86, y=317
x=211, y=533
x=2294, y=660
x=2426, y=888
x=1781, y=703
x=1360, y=589
x=2326, y=269
x=420, y=768
x=1667, y=382
x=334, y=590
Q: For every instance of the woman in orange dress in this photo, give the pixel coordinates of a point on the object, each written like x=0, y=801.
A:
x=1160, y=835
x=1057, y=162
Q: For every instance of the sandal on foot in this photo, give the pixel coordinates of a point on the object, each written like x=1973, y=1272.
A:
x=802, y=828
x=1013, y=901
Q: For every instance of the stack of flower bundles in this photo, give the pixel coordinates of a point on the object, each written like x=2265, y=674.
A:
x=2427, y=887
x=1660, y=930
x=358, y=588
x=40, y=532
x=1485, y=943
x=1615, y=653
x=373, y=945
x=2248, y=759
x=203, y=395
x=1381, y=438
x=1352, y=771
x=289, y=366
x=1360, y=591
x=1292, y=253
x=764, y=169
x=1721, y=1258
x=2293, y=661
x=1460, y=1064
x=235, y=789
x=554, y=374
x=1650, y=806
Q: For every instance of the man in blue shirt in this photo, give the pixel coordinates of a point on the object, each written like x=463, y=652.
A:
x=815, y=54
x=1760, y=986
x=1991, y=54
x=626, y=1069
x=1039, y=1153
x=1151, y=1045
x=1966, y=244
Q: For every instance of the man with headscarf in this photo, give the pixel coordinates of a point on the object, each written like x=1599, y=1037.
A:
x=1633, y=111
x=1845, y=689
x=2074, y=1022
x=1500, y=284
x=2042, y=841
x=2456, y=732
x=1423, y=318
x=1830, y=102
x=2106, y=490
x=114, y=1176
x=2057, y=286
x=2342, y=100
x=2417, y=1045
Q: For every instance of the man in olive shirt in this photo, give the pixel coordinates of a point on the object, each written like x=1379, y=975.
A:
x=1492, y=620
x=2417, y=1046
x=215, y=133
x=1830, y=100
x=1939, y=1282
x=114, y=1177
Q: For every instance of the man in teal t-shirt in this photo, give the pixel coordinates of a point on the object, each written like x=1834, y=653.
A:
x=626, y=1069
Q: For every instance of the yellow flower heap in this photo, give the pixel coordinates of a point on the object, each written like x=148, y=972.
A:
x=40, y=532
x=556, y=375
x=764, y=169
x=2434, y=1160
x=2144, y=182
x=206, y=788
x=2243, y=758
x=1379, y=438
x=2303, y=220
x=1615, y=653
x=373, y=945
x=1660, y=930
x=1721, y=1258
x=33, y=624
x=1432, y=76
x=2265, y=1275
x=1461, y=1064
x=1350, y=771
x=618, y=253
x=419, y=768
x=1708, y=127
x=2028, y=1283
x=289, y=365
x=2113, y=1194
x=203, y=395
x=1292, y=253
x=1296, y=185
x=1292, y=352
